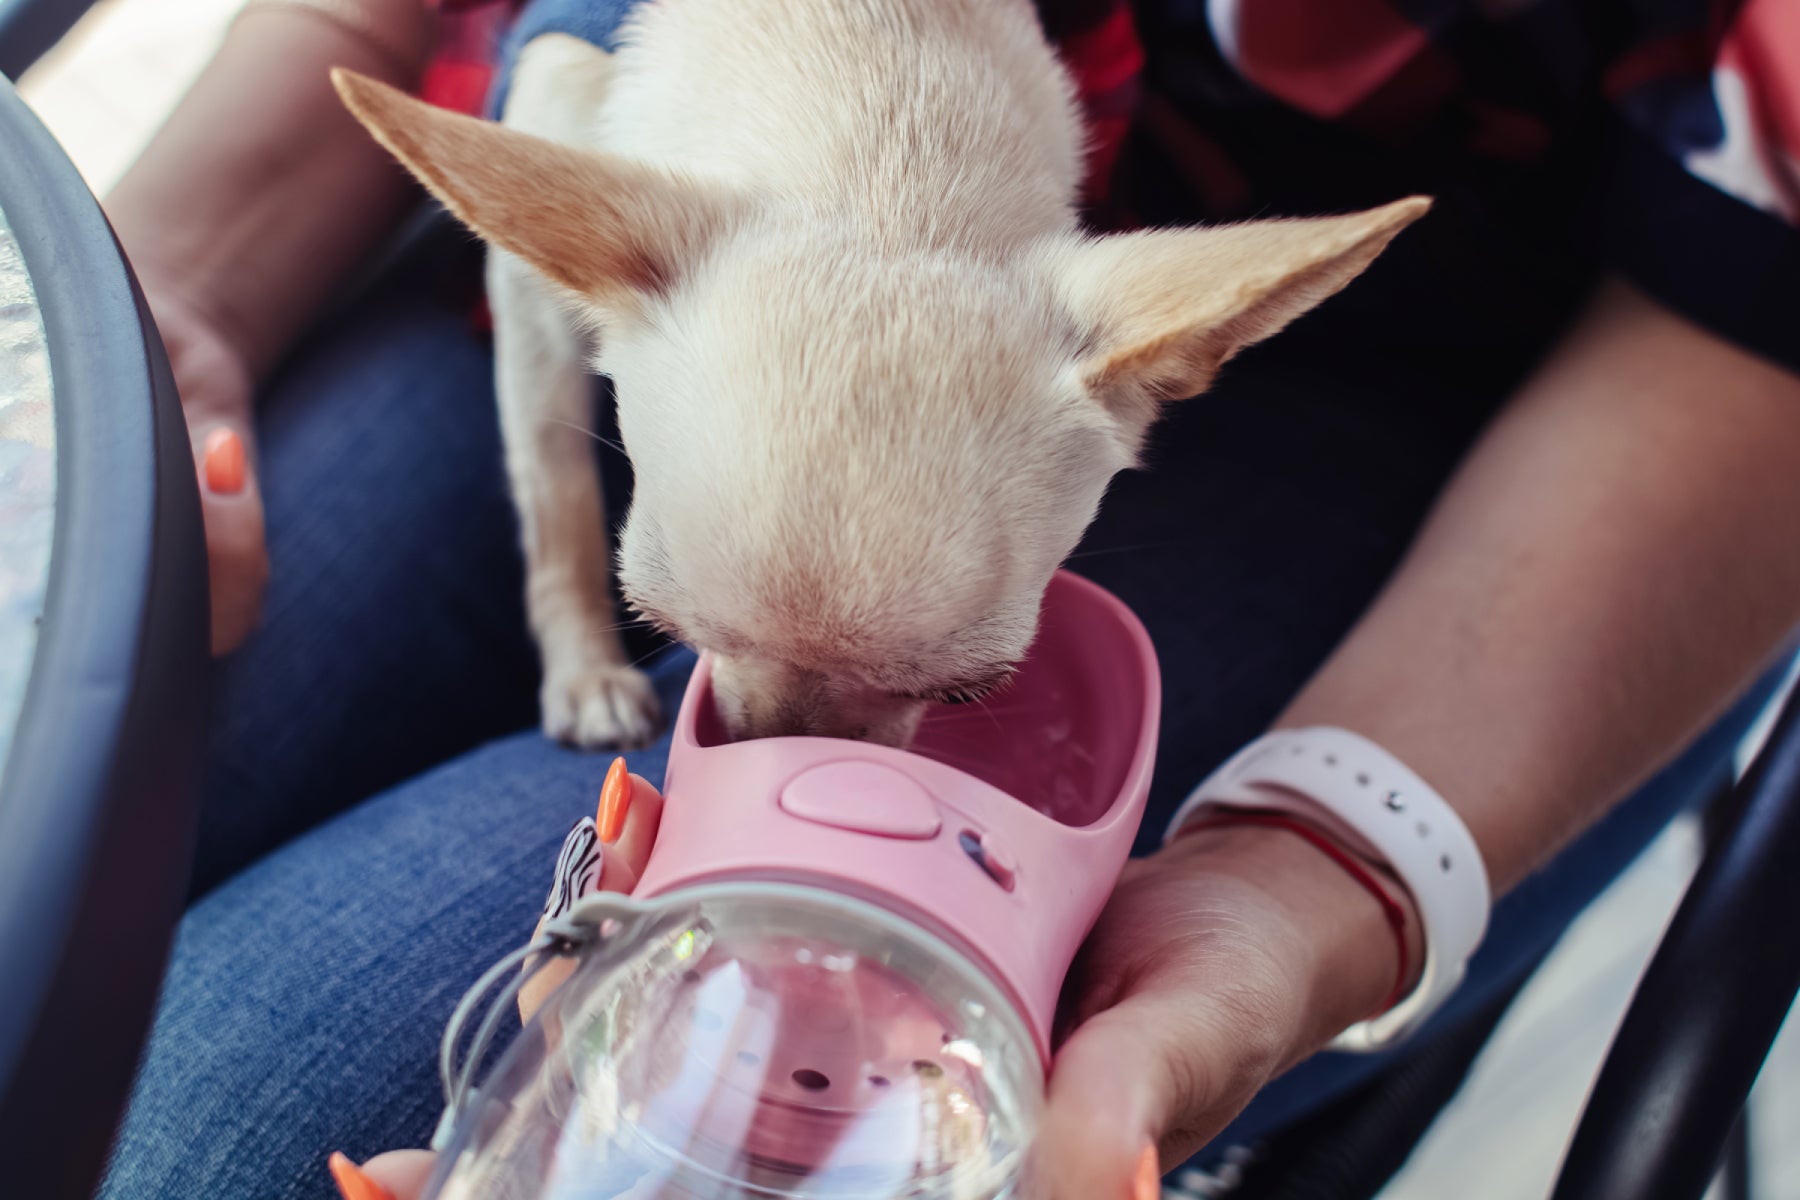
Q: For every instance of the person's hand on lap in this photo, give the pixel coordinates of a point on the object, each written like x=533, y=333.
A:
x=216, y=398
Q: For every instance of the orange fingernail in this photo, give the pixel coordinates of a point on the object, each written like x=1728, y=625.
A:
x=224, y=461
x=615, y=802
x=352, y=1183
x=1148, y=1185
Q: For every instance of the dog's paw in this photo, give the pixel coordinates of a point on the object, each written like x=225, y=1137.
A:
x=600, y=706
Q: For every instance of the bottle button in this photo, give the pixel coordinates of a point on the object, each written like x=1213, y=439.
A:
x=862, y=797
x=998, y=860
x=990, y=856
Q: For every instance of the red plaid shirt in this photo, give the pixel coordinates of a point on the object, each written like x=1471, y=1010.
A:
x=1662, y=137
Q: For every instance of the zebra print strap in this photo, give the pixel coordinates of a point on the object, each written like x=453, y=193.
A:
x=577, y=869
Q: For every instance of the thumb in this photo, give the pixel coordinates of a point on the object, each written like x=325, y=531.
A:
x=396, y=1175
x=630, y=853
x=1109, y=1098
x=631, y=806
x=231, y=506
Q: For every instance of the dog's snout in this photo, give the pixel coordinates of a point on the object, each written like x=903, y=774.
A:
x=891, y=728
x=762, y=700
x=800, y=725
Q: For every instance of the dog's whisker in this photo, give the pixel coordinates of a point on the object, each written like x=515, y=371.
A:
x=1109, y=550
x=619, y=446
x=633, y=623
x=977, y=741
x=958, y=721
x=947, y=715
x=952, y=735
x=641, y=659
x=955, y=722
x=995, y=718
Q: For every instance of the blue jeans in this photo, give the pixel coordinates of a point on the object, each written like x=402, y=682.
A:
x=382, y=815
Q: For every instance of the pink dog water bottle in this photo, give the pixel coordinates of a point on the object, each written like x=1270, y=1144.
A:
x=838, y=974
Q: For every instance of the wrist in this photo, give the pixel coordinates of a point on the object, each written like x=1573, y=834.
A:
x=1343, y=941
x=400, y=32
x=185, y=315
x=261, y=189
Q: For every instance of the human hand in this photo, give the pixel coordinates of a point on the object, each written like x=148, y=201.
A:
x=216, y=399
x=1218, y=963
x=630, y=812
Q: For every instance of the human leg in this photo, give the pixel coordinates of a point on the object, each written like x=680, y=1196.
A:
x=393, y=634
x=306, y=995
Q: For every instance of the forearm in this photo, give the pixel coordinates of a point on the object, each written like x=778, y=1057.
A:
x=260, y=192
x=1615, y=560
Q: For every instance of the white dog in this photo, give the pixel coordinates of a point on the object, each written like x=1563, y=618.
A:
x=872, y=377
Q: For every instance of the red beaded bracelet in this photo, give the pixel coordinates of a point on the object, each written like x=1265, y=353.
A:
x=1391, y=908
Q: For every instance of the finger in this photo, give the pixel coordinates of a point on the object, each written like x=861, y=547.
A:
x=580, y=866
x=1109, y=1099
x=232, y=508
x=627, y=857
x=404, y=1173
x=1161, y=1070
x=621, y=864
x=630, y=808
x=397, y=1175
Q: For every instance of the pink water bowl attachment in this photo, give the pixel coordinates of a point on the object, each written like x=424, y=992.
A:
x=1002, y=829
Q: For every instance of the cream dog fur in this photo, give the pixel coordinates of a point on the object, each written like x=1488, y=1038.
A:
x=872, y=377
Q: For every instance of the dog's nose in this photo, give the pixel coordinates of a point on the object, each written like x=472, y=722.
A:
x=888, y=724
x=759, y=699
x=798, y=724
x=887, y=721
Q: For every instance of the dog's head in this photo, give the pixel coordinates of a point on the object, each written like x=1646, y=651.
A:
x=858, y=461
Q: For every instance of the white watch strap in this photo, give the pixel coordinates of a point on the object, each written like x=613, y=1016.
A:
x=1357, y=786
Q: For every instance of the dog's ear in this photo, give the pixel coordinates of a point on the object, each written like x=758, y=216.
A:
x=1162, y=310
x=607, y=229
